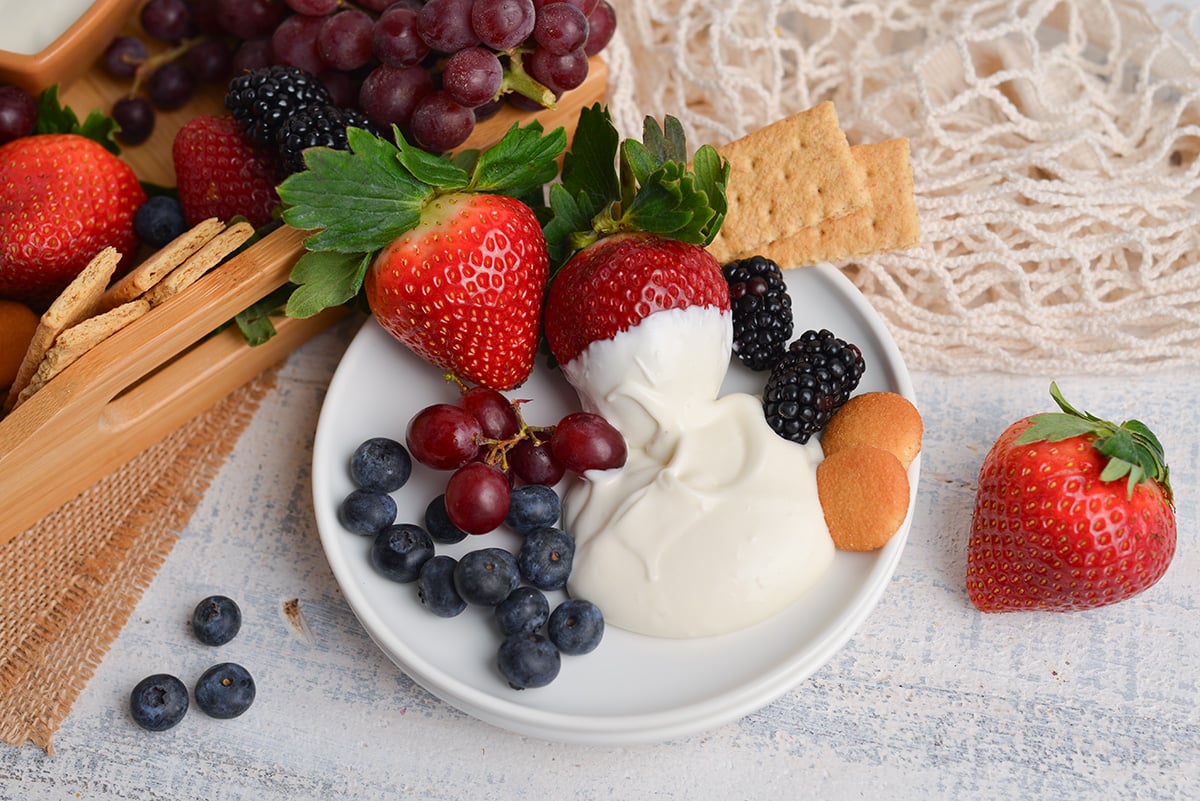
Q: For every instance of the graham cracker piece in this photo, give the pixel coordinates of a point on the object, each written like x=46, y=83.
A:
x=888, y=222
x=141, y=278
x=210, y=255
x=81, y=338
x=787, y=176
x=77, y=302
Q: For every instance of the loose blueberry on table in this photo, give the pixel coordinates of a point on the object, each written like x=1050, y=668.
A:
x=158, y=702
x=216, y=620
x=225, y=690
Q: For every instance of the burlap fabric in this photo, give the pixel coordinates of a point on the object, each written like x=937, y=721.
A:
x=69, y=584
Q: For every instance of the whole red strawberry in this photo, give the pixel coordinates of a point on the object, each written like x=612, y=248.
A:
x=615, y=283
x=63, y=199
x=450, y=262
x=1072, y=512
x=220, y=173
x=463, y=289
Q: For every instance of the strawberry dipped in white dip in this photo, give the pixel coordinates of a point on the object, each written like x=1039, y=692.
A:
x=713, y=524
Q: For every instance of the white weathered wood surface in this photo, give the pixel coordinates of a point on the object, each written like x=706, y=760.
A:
x=930, y=699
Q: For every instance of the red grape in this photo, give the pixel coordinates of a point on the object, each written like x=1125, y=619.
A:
x=344, y=39
x=294, y=43
x=171, y=86
x=250, y=19
x=473, y=76
x=602, y=24
x=560, y=28
x=18, y=113
x=123, y=55
x=210, y=60
x=477, y=498
x=559, y=73
x=252, y=55
x=502, y=24
x=535, y=463
x=443, y=436
x=168, y=20
x=396, y=40
x=135, y=116
x=445, y=25
x=389, y=94
x=314, y=8
x=585, y=441
x=439, y=124
x=495, y=413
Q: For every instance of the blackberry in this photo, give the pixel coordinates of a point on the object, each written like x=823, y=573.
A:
x=262, y=100
x=762, y=311
x=313, y=126
x=809, y=383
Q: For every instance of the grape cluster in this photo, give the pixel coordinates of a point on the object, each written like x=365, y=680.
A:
x=486, y=444
x=489, y=488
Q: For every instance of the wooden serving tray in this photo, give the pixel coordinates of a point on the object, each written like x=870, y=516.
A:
x=149, y=378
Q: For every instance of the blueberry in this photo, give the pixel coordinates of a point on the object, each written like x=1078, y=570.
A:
x=216, y=620
x=524, y=611
x=366, y=512
x=576, y=626
x=438, y=524
x=158, y=702
x=545, y=558
x=531, y=507
x=528, y=660
x=159, y=220
x=380, y=465
x=400, y=551
x=435, y=587
x=486, y=576
x=225, y=690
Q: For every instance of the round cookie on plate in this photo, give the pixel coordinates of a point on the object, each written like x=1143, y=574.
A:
x=863, y=480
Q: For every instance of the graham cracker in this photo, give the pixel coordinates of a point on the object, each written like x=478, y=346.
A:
x=77, y=302
x=141, y=278
x=787, y=176
x=888, y=222
x=210, y=255
x=79, y=339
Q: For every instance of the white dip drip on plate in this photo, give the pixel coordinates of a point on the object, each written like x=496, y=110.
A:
x=714, y=523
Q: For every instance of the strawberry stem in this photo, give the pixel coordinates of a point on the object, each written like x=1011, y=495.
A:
x=1134, y=452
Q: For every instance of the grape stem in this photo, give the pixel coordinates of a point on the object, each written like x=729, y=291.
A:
x=516, y=79
x=147, y=66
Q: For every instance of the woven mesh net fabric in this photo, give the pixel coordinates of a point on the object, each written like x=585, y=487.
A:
x=1054, y=149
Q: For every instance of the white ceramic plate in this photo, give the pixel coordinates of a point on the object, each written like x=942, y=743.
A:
x=633, y=688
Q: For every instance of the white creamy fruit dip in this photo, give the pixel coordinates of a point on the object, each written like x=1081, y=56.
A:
x=30, y=28
x=714, y=523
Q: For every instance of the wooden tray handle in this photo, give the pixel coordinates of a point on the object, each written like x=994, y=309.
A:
x=143, y=382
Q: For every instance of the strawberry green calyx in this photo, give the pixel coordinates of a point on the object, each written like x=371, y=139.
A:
x=1134, y=452
x=54, y=117
x=611, y=186
x=356, y=202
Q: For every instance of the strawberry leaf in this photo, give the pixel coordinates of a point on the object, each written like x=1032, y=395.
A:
x=1134, y=452
x=54, y=117
x=523, y=160
x=437, y=172
x=325, y=279
x=255, y=320
x=357, y=201
x=650, y=188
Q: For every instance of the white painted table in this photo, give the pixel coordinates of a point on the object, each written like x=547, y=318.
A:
x=930, y=699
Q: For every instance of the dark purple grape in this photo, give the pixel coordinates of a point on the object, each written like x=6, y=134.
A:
x=488, y=110
x=557, y=73
x=314, y=8
x=135, y=114
x=445, y=25
x=206, y=18
x=18, y=113
x=250, y=19
x=602, y=24
x=123, y=55
x=294, y=43
x=472, y=76
x=344, y=41
x=343, y=88
x=389, y=94
x=210, y=60
x=586, y=6
x=252, y=55
x=439, y=124
x=171, y=86
x=560, y=28
x=396, y=39
x=502, y=24
x=167, y=20
x=383, y=5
